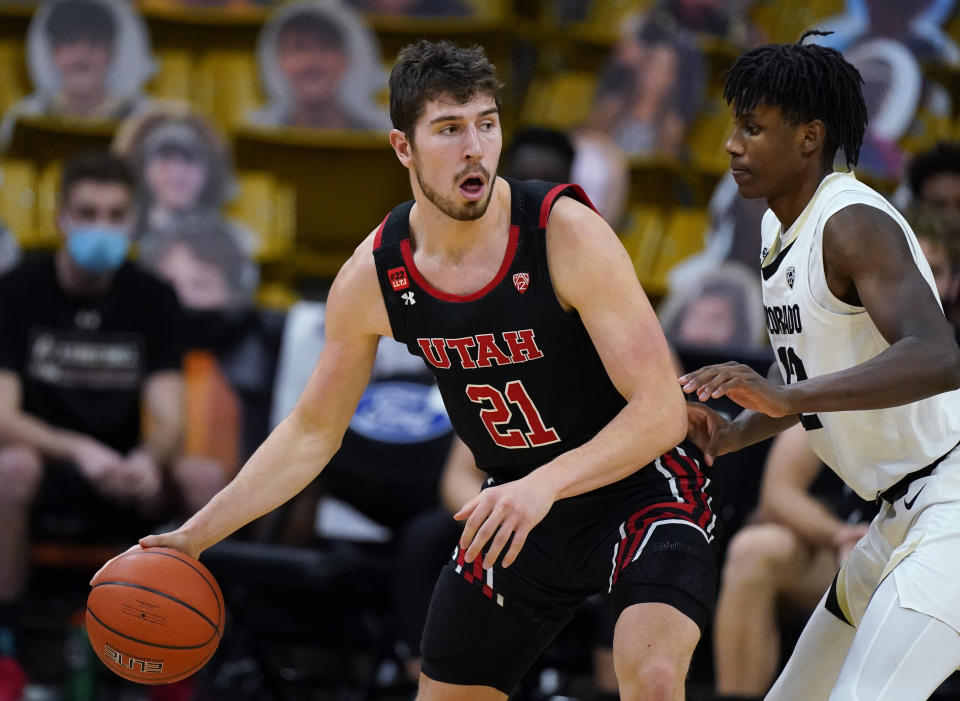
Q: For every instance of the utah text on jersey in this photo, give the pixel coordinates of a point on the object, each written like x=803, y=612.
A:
x=481, y=350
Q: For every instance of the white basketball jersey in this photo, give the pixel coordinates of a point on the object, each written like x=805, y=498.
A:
x=813, y=333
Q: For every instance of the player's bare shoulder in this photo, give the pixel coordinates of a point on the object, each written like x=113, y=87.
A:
x=355, y=299
x=582, y=249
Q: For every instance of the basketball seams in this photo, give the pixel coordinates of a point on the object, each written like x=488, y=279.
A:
x=213, y=637
x=218, y=595
x=216, y=628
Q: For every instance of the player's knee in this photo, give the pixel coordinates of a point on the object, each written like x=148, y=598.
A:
x=755, y=553
x=653, y=678
x=21, y=470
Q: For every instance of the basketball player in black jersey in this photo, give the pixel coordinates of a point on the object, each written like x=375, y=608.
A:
x=555, y=373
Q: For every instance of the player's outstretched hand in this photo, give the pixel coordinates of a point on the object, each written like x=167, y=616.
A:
x=742, y=384
x=708, y=431
x=511, y=509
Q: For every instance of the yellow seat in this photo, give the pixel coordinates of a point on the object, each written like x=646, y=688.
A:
x=706, y=137
x=268, y=208
x=684, y=236
x=785, y=20
x=46, y=234
x=174, y=77
x=18, y=198
x=226, y=86
x=14, y=82
x=561, y=102
x=646, y=226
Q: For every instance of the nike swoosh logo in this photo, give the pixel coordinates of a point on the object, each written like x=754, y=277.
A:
x=909, y=504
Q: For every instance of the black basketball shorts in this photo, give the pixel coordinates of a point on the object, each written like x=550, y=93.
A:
x=648, y=538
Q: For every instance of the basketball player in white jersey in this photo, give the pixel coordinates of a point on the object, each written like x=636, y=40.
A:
x=866, y=361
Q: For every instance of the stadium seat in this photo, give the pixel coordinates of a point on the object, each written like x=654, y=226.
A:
x=560, y=102
x=268, y=208
x=684, y=236
x=18, y=198
x=14, y=83
x=174, y=77
x=227, y=86
x=642, y=238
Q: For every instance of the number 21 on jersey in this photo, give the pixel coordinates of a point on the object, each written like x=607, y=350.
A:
x=496, y=412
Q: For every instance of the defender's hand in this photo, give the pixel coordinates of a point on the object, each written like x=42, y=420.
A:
x=708, y=430
x=742, y=384
x=511, y=509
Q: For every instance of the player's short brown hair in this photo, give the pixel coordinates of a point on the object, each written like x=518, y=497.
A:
x=426, y=70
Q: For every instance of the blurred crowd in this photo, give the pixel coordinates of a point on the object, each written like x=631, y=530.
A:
x=145, y=350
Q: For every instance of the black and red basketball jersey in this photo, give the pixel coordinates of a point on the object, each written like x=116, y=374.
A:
x=519, y=375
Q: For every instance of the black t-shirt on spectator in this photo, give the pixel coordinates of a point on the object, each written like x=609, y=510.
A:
x=83, y=361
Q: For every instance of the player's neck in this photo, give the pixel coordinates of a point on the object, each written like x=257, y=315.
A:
x=440, y=235
x=789, y=205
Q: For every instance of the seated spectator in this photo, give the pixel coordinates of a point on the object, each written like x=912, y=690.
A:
x=651, y=89
x=203, y=263
x=888, y=42
x=415, y=8
x=721, y=309
x=938, y=232
x=919, y=26
x=215, y=282
x=933, y=177
x=88, y=344
x=319, y=64
x=87, y=58
x=723, y=19
x=181, y=162
x=807, y=522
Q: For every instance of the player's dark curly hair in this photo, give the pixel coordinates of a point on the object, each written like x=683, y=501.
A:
x=807, y=82
x=426, y=70
x=943, y=158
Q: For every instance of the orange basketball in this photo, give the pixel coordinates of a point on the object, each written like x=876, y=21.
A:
x=155, y=616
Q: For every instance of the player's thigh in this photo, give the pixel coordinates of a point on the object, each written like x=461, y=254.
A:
x=897, y=654
x=471, y=640
x=812, y=669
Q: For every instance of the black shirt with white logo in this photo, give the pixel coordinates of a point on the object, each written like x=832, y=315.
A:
x=82, y=361
x=519, y=375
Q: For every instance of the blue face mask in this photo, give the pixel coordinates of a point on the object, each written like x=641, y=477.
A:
x=97, y=249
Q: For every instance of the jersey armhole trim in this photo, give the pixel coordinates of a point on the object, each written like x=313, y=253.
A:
x=379, y=235
x=552, y=196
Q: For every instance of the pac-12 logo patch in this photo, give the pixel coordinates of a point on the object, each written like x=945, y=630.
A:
x=791, y=276
x=398, y=278
x=521, y=281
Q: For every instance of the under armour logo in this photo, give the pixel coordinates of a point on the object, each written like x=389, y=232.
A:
x=408, y=298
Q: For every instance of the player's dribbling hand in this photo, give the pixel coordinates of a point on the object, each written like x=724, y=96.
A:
x=511, y=509
x=173, y=539
x=707, y=430
x=742, y=384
